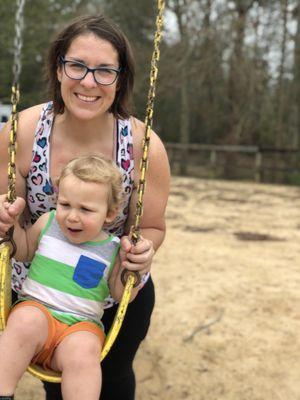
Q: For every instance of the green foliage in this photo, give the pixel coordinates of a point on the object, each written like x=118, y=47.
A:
x=7, y=12
x=293, y=179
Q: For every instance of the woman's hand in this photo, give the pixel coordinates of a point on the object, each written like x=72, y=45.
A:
x=137, y=257
x=9, y=213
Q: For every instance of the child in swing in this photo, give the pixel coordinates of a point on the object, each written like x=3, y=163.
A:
x=75, y=264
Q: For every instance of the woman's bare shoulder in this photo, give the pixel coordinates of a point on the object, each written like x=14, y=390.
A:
x=138, y=131
x=136, y=124
x=27, y=123
x=29, y=118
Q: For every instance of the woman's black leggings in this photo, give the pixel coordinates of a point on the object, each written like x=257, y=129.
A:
x=118, y=381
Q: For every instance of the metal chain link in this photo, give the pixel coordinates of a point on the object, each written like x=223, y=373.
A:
x=135, y=230
x=18, y=41
x=15, y=97
x=148, y=121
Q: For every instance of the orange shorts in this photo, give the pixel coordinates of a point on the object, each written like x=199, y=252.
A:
x=57, y=331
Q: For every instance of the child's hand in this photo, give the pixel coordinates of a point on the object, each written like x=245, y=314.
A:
x=138, y=257
x=9, y=213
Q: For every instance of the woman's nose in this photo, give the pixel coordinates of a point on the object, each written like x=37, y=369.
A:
x=89, y=80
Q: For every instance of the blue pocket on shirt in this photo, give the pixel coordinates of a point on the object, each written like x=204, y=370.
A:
x=88, y=272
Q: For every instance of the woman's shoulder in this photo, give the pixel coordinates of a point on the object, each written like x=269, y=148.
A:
x=137, y=126
x=28, y=118
x=138, y=131
x=27, y=125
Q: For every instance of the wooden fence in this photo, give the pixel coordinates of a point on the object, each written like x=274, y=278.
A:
x=235, y=162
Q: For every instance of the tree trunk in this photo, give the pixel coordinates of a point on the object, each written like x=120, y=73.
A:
x=280, y=137
x=296, y=141
x=235, y=94
x=184, y=119
x=236, y=85
x=179, y=9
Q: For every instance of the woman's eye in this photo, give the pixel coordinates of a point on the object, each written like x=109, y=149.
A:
x=106, y=71
x=77, y=66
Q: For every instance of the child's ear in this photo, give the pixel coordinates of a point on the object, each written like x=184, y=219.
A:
x=111, y=215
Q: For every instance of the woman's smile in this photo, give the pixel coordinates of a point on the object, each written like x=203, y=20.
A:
x=87, y=99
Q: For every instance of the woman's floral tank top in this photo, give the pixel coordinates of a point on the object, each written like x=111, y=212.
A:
x=41, y=195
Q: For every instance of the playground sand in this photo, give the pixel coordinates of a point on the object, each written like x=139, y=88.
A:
x=227, y=317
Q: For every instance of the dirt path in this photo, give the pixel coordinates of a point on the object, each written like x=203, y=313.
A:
x=227, y=318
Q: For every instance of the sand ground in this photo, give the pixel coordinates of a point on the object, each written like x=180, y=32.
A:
x=226, y=325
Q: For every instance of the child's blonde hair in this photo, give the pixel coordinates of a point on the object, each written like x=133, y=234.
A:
x=95, y=168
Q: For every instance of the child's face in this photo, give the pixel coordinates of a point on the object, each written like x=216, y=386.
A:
x=82, y=209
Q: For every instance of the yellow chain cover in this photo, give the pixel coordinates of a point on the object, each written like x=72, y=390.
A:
x=5, y=284
x=119, y=317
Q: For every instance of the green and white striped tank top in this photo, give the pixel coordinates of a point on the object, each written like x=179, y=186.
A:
x=70, y=280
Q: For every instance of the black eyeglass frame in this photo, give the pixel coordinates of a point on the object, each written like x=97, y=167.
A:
x=92, y=70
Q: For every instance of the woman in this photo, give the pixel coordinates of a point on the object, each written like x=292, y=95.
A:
x=91, y=73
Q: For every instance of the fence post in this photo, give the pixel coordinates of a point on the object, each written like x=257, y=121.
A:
x=170, y=151
x=257, y=166
x=184, y=159
x=213, y=162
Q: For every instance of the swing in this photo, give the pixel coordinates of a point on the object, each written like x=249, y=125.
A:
x=129, y=278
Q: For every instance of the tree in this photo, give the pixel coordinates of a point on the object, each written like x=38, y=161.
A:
x=296, y=82
x=237, y=81
x=280, y=139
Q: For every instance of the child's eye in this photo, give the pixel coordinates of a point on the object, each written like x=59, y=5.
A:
x=86, y=209
x=64, y=204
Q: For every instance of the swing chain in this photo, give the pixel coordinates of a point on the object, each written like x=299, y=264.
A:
x=18, y=41
x=135, y=230
x=148, y=121
x=11, y=190
x=15, y=97
x=11, y=194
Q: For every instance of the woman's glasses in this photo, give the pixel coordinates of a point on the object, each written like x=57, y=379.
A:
x=78, y=71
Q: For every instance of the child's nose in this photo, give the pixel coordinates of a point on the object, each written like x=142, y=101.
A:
x=73, y=216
